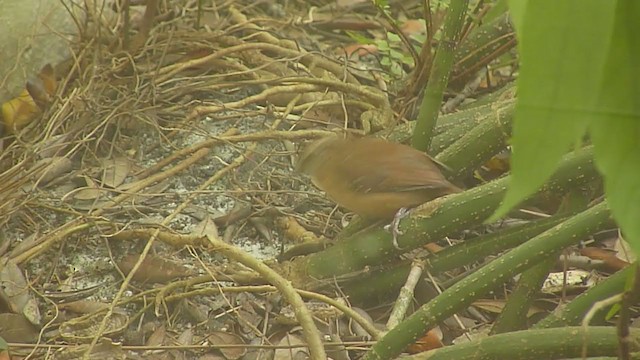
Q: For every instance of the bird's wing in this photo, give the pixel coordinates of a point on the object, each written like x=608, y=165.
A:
x=405, y=172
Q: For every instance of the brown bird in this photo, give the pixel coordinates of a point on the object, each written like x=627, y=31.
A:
x=372, y=177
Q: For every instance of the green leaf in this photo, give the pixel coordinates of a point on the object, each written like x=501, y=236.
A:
x=393, y=38
x=383, y=45
x=381, y=4
x=563, y=56
x=360, y=39
x=616, y=132
x=499, y=7
x=517, y=10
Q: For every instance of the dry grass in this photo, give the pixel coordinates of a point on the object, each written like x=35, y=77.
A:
x=150, y=145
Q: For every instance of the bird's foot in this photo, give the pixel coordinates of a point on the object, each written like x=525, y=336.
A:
x=393, y=227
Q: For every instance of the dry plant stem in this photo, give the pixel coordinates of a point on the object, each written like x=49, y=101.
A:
x=65, y=230
x=350, y=313
x=162, y=293
x=394, y=25
x=145, y=26
x=308, y=59
x=323, y=103
x=262, y=97
x=125, y=284
x=599, y=305
x=371, y=94
x=602, y=304
x=366, y=324
x=204, y=348
x=308, y=85
x=406, y=295
x=439, y=76
x=312, y=335
x=170, y=238
x=168, y=72
x=468, y=90
x=255, y=136
x=184, y=152
x=196, y=347
x=474, y=17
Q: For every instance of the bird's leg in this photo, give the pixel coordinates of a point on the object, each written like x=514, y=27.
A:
x=393, y=227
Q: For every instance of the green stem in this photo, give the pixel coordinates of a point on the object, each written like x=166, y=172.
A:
x=480, y=143
x=454, y=213
x=561, y=343
x=378, y=285
x=439, y=76
x=488, y=277
x=514, y=315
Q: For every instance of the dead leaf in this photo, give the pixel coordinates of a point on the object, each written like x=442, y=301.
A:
x=206, y=227
x=612, y=262
x=84, y=329
x=115, y=171
x=90, y=192
x=104, y=350
x=153, y=269
x=186, y=337
x=16, y=292
x=83, y=306
x=53, y=146
x=16, y=328
x=624, y=251
x=195, y=311
x=225, y=338
x=360, y=49
x=158, y=337
x=294, y=353
x=414, y=27
x=431, y=340
x=51, y=168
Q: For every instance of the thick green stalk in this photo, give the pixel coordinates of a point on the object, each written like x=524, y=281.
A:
x=481, y=143
x=514, y=315
x=377, y=284
x=450, y=127
x=561, y=343
x=497, y=272
x=453, y=213
x=483, y=45
x=439, y=76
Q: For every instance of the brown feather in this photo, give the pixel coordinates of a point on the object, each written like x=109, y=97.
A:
x=371, y=176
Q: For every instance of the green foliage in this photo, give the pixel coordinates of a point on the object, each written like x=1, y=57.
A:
x=579, y=75
x=382, y=5
x=393, y=55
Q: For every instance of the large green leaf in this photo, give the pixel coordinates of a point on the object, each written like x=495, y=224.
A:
x=616, y=131
x=563, y=50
